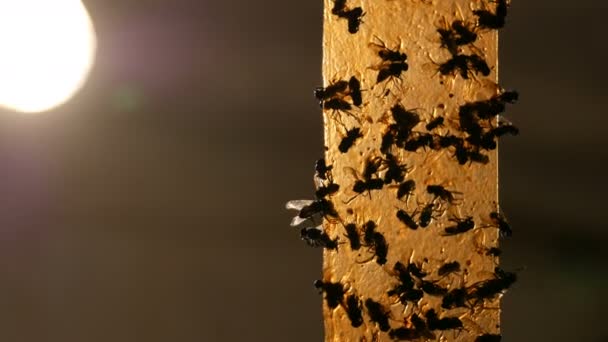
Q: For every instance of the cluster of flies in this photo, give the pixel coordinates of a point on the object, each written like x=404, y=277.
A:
x=479, y=124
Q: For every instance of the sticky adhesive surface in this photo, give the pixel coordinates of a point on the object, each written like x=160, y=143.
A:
x=411, y=27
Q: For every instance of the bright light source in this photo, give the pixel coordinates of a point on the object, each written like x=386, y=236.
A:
x=46, y=51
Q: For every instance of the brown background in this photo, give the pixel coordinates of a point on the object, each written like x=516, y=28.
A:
x=150, y=208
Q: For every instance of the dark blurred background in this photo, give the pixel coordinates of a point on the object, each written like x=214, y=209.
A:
x=150, y=208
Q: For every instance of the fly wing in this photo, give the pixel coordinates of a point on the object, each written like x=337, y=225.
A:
x=297, y=220
x=297, y=204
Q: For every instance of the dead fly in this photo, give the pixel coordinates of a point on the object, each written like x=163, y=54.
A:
x=397, y=133
x=349, y=140
x=448, y=141
x=426, y=215
x=405, y=289
x=416, y=270
x=464, y=155
x=339, y=90
x=421, y=326
x=339, y=6
x=395, y=172
x=486, y=109
x=380, y=248
x=447, y=323
x=336, y=89
x=362, y=186
x=377, y=314
x=448, y=267
x=462, y=226
x=404, y=119
x=369, y=182
x=442, y=193
x=436, y=122
x=311, y=210
x=404, y=334
x=420, y=141
x=369, y=229
x=393, y=62
x=509, y=96
x=355, y=91
x=477, y=157
x=371, y=167
x=487, y=141
x=455, y=298
x=406, y=188
x=488, y=338
x=459, y=34
x=354, y=19
x=353, y=236
x=503, y=226
x=405, y=279
x=432, y=289
x=322, y=170
x=489, y=20
x=334, y=292
x=490, y=288
x=352, y=15
x=468, y=118
x=388, y=140
x=415, y=329
x=375, y=241
x=406, y=219
x=501, y=130
x=464, y=64
x=493, y=251
x=316, y=237
x=327, y=190
x=337, y=104
x=353, y=310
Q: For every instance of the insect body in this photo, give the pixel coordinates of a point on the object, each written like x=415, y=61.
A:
x=395, y=172
x=368, y=182
x=322, y=170
x=436, y=122
x=459, y=34
x=446, y=323
x=353, y=310
x=455, y=298
x=353, y=236
x=309, y=209
x=355, y=91
x=464, y=65
x=327, y=190
x=406, y=188
x=405, y=218
x=334, y=292
x=449, y=267
x=426, y=215
x=489, y=288
x=432, y=289
x=442, y=193
x=393, y=62
x=349, y=140
x=489, y=20
x=352, y=15
x=501, y=222
x=316, y=237
x=376, y=241
x=336, y=89
x=462, y=226
x=377, y=314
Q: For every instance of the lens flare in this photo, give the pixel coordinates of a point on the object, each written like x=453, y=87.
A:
x=47, y=49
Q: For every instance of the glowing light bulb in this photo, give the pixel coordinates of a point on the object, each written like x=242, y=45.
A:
x=47, y=49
